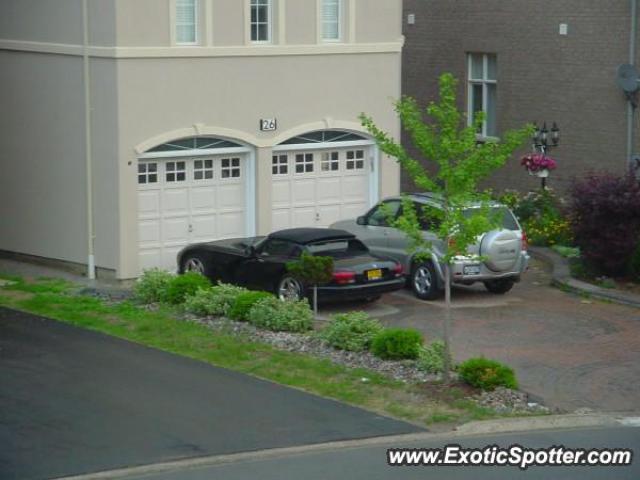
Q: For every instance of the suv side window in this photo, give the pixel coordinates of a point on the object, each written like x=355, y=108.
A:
x=427, y=220
x=377, y=217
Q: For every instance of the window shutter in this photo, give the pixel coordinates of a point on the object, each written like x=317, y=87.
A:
x=331, y=19
x=185, y=21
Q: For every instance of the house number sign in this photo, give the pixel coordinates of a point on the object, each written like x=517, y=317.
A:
x=268, y=124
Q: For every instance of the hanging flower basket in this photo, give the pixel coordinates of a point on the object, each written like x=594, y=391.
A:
x=538, y=164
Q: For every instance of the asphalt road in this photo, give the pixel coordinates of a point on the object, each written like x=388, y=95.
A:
x=74, y=401
x=369, y=463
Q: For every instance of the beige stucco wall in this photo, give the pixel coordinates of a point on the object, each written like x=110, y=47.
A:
x=42, y=188
x=234, y=93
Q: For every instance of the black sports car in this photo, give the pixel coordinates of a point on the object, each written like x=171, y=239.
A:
x=259, y=263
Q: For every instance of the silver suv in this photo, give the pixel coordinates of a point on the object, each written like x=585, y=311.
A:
x=504, y=251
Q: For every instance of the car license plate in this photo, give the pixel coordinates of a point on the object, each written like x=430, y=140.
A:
x=471, y=270
x=374, y=274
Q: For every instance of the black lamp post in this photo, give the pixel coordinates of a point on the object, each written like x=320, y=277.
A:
x=543, y=140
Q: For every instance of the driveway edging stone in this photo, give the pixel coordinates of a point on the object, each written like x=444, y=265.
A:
x=561, y=277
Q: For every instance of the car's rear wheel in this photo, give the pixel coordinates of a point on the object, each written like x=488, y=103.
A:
x=289, y=289
x=194, y=263
x=500, y=286
x=423, y=281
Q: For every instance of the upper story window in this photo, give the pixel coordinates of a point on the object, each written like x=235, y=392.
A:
x=331, y=19
x=482, y=86
x=261, y=21
x=186, y=22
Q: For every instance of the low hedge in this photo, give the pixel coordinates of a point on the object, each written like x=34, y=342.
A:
x=353, y=331
x=152, y=286
x=213, y=301
x=274, y=314
x=243, y=303
x=182, y=286
x=397, y=344
x=487, y=374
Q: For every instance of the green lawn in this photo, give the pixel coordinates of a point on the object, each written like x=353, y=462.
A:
x=159, y=329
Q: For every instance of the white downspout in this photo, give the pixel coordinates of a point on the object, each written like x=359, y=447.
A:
x=632, y=61
x=91, y=261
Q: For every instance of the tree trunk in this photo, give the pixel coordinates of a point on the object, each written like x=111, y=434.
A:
x=446, y=377
x=315, y=301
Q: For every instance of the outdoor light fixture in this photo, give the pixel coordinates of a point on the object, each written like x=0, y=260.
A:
x=543, y=140
x=555, y=134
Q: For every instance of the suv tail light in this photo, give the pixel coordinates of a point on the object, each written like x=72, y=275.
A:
x=525, y=241
x=397, y=270
x=343, y=278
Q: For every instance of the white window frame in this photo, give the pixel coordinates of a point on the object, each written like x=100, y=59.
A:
x=321, y=21
x=196, y=20
x=269, y=39
x=485, y=82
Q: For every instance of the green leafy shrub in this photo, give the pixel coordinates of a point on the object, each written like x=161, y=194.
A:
x=152, y=286
x=353, y=331
x=487, y=374
x=397, y=343
x=213, y=301
x=567, y=252
x=542, y=215
x=274, y=314
x=182, y=286
x=431, y=357
x=243, y=303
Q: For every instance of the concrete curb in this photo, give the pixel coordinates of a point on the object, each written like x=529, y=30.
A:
x=562, y=278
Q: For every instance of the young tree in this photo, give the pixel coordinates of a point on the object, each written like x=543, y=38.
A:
x=312, y=270
x=461, y=162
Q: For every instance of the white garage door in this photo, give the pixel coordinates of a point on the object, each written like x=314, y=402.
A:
x=188, y=200
x=314, y=188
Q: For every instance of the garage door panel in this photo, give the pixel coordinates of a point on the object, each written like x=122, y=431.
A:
x=327, y=214
x=204, y=228
x=175, y=230
x=170, y=256
x=328, y=190
x=203, y=199
x=354, y=210
x=280, y=219
x=230, y=225
x=281, y=194
x=303, y=191
x=355, y=188
x=149, y=204
x=175, y=202
x=149, y=233
x=231, y=196
x=148, y=259
x=304, y=217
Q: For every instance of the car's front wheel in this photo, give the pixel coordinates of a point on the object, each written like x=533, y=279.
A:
x=423, y=281
x=499, y=287
x=289, y=289
x=194, y=263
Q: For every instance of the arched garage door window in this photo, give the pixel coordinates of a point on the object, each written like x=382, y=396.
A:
x=321, y=177
x=194, y=143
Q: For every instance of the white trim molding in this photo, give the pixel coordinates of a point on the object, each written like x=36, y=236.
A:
x=202, y=51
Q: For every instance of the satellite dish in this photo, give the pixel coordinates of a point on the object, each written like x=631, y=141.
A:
x=628, y=78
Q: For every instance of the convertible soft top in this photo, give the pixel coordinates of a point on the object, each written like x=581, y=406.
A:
x=311, y=235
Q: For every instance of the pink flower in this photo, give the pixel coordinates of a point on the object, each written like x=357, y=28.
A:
x=535, y=162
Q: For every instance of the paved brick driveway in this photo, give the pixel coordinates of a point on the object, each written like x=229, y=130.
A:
x=571, y=351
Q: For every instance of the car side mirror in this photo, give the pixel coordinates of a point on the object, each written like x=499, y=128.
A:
x=361, y=220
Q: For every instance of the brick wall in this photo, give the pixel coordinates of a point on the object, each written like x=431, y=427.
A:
x=542, y=75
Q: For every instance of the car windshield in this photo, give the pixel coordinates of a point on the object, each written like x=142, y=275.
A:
x=508, y=220
x=337, y=248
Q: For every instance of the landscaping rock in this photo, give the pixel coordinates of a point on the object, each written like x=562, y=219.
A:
x=505, y=400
